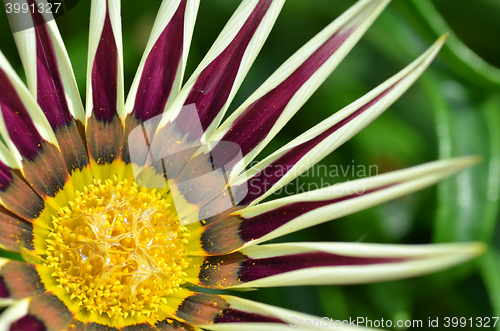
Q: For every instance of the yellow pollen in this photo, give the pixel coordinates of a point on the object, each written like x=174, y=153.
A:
x=119, y=250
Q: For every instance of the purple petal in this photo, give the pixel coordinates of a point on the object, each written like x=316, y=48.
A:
x=4, y=291
x=104, y=128
x=236, y=268
x=200, y=308
x=21, y=129
x=22, y=279
x=5, y=176
x=161, y=68
x=105, y=75
x=43, y=165
x=273, y=172
x=18, y=197
x=28, y=323
x=231, y=232
x=15, y=233
x=50, y=91
x=51, y=94
x=173, y=325
x=253, y=125
x=237, y=316
x=51, y=311
x=212, y=88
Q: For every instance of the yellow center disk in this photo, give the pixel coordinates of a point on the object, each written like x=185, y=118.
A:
x=119, y=250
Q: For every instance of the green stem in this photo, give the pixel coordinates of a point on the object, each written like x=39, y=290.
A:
x=462, y=59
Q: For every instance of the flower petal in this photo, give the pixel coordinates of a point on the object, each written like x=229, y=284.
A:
x=260, y=118
x=223, y=312
x=52, y=83
x=16, y=317
x=27, y=126
x=5, y=298
x=203, y=309
x=49, y=72
x=173, y=325
x=328, y=264
x=16, y=195
x=51, y=311
x=161, y=70
x=47, y=312
x=104, y=126
x=219, y=75
x=312, y=146
x=139, y=327
x=15, y=232
x=21, y=279
x=160, y=73
x=276, y=218
x=40, y=312
x=31, y=140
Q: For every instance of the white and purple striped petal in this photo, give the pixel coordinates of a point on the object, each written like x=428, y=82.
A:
x=225, y=312
x=31, y=140
x=260, y=118
x=49, y=72
x=52, y=82
x=329, y=264
x=309, y=148
x=105, y=109
x=161, y=70
x=266, y=221
x=216, y=80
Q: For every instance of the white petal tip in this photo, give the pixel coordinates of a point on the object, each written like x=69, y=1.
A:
x=443, y=38
x=464, y=251
x=438, y=44
x=473, y=249
x=467, y=161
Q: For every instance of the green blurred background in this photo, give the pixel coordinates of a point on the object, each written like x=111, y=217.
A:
x=454, y=109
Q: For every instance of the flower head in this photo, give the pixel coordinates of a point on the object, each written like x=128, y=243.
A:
x=106, y=250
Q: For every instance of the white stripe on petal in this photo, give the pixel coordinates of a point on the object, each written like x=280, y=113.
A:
x=7, y=157
x=27, y=44
x=289, y=317
x=165, y=14
x=385, y=187
x=419, y=260
x=34, y=111
x=399, y=83
x=227, y=35
x=359, y=17
x=292, y=324
x=97, y=18
x=4, y=301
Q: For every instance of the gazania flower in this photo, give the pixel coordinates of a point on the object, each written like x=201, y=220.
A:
x=103, y=252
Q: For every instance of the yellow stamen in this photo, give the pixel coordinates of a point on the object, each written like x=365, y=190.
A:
x=119, y=250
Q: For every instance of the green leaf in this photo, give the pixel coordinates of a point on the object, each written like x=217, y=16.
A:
x=468, y=202
x=424, y=16
x=490, y=270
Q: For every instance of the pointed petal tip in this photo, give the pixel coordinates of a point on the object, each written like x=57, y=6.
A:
x=443, y=37
x=438, y=44
x=473, y=249
x=459, y=251
x=466, y=161
x=428, y=56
